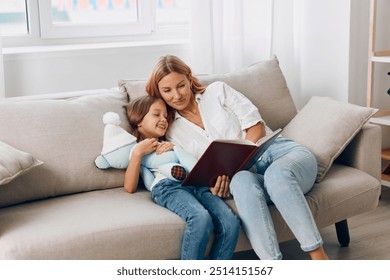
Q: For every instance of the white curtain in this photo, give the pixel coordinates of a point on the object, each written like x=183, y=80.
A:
x=2, y=86
x=287, y=41
x=227, y=35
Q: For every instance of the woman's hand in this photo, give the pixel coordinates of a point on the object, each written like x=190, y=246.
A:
x=164, y=147
x=221, y=187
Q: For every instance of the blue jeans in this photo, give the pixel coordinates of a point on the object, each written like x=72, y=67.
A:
x=282, y=176
x=203, y=213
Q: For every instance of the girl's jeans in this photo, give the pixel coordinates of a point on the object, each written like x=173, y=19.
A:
x=282, y=176
x=203, y=213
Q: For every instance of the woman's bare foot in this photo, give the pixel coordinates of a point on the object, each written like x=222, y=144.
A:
x=318, y=254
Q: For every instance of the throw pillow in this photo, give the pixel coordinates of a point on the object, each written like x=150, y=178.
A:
x=326, y=126
x=65, y=133
x=14, y=163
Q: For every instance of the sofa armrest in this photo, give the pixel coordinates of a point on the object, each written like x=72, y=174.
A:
x=364, y=151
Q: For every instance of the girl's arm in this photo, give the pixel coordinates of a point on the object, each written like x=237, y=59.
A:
x=132, y=173
x=133, y=169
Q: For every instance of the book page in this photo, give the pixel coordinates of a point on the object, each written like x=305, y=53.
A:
x=236, y=141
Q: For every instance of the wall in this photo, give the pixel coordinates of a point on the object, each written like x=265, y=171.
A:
x=321, y=45
x=42, y=72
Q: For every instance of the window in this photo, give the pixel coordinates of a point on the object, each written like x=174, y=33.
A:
x=13, y=17
x=172, y=12
x=53, y=21
x=95, y=18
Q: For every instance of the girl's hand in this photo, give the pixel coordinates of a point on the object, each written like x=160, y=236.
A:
x=145, y=147
x=221, y=187
x=164, y=147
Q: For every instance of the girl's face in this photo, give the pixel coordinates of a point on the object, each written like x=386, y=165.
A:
x=175, y=89
x=154, y=124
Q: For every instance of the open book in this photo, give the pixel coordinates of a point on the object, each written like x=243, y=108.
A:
x=227, y=157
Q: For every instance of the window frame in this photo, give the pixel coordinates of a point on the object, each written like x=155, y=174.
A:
x=160, y=33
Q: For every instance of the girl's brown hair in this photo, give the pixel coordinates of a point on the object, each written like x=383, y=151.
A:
x=166, y=65
x=136, y=110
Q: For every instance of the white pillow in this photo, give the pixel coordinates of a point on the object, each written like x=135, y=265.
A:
x=14, y=163
x=326, y=126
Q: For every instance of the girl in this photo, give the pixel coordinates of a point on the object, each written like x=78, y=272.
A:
x=202, y=211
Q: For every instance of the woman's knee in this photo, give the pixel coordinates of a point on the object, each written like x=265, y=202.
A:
x=242, y=180
x=300, y=171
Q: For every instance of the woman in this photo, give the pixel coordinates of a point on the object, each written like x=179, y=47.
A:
x=282, y=176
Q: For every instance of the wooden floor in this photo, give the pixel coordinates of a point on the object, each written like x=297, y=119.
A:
x=369, y=232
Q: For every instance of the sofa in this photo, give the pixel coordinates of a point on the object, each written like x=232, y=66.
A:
x=56, y=204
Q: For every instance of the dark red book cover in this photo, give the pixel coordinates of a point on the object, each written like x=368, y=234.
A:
x=227, y=157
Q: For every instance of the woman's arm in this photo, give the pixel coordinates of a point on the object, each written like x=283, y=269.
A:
x=256, y=132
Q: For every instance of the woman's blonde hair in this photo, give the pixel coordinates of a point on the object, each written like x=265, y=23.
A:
x=136, y=110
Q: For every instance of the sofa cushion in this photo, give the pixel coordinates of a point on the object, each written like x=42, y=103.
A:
x=343, y=193
x=14, y=163
x=106, y=224
x=113, y=224
x=325, y=127
x=67, y=136
x=263, y=83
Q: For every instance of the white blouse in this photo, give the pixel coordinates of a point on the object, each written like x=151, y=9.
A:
x=226, y=114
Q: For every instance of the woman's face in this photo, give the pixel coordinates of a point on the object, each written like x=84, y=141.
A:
x=175, y=89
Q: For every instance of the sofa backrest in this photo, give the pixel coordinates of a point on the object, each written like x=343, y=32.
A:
x=65, y=131
x=263, y=83
x=67, y=135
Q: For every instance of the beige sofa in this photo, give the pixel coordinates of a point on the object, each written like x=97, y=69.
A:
x=66, y=208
